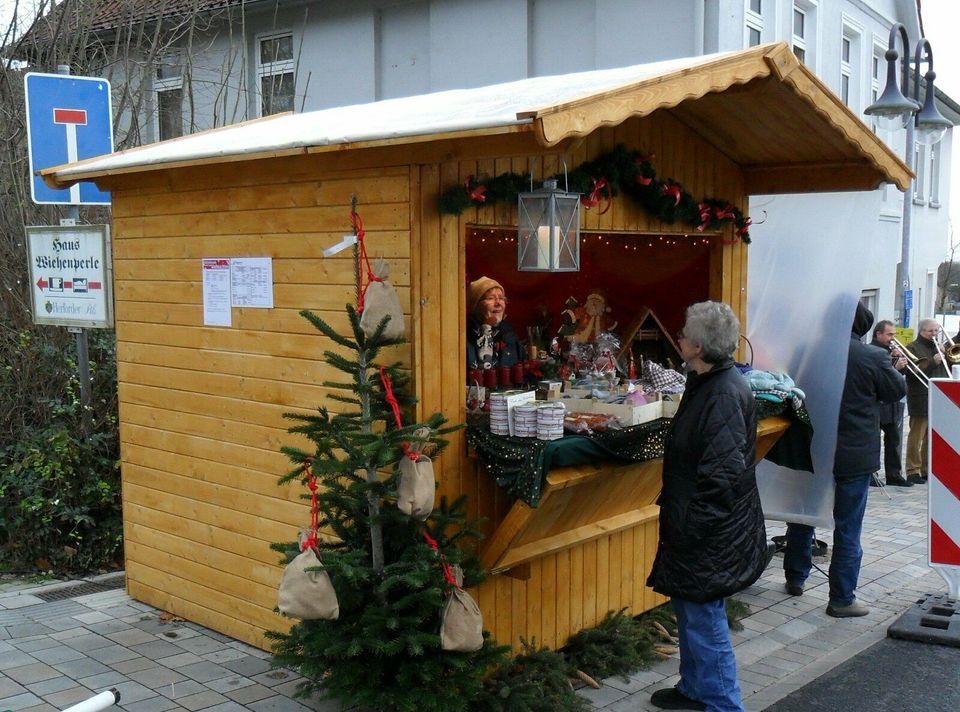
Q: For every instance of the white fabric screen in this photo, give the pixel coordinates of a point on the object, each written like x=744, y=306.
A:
x=807, y=264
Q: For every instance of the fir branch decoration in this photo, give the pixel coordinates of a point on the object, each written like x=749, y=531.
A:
x=537, y=680
x=617, y=645
x=619, y=171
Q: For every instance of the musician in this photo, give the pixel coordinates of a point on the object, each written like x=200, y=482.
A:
x=930, y=362
x=891, y=414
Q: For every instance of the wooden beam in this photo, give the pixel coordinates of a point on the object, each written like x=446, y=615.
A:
x=579, y=118
x=809, y=87
x=811, y=178
x=508, y=530
x=430, y=148
x=769, y=431
x=574, y=537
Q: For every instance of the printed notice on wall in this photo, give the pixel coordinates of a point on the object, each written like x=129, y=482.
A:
x=216, y=291
x=251, y=282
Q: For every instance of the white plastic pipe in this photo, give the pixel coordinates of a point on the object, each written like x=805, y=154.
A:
x=97, y=702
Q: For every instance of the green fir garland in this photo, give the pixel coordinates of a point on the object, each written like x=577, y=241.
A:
x=598, y=181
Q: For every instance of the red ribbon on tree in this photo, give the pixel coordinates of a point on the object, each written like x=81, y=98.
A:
x=477, y=192
x=395, y=407
x=362, y=261
x=597, y=195
x=447, y=572
x=311, y=541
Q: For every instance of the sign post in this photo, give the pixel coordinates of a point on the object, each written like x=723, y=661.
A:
x=71, y=277
x=69, y=119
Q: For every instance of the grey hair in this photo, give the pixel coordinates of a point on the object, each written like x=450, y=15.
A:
x=924, y=323
x=715, y=327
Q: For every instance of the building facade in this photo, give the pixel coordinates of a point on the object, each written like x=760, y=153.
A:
x=251, y=59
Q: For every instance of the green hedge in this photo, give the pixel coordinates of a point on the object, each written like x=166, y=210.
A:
x=59, y=492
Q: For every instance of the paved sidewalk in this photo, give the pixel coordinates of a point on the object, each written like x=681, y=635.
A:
x=54, y=653
x=789, y=641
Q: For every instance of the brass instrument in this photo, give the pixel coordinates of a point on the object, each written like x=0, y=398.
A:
x=950, y=349
x=912, y=362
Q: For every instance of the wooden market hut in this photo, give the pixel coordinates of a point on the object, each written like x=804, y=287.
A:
x=201, y=407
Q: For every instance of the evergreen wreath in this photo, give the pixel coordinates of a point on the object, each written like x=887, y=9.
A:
x=598, y=181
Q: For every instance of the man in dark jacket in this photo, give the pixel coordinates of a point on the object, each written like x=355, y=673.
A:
x=930, y=363
x=891, y=414
x=869, y=381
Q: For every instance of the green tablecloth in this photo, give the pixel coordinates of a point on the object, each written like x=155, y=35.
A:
x=520, y=465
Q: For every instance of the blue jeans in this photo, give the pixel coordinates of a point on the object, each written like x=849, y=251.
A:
x=708, y=667
x=849, y=505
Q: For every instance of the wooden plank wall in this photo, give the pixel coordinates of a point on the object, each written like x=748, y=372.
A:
x=577, y=587
x=201, y=407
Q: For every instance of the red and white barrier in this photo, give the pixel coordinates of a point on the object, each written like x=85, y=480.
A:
x=943, y=548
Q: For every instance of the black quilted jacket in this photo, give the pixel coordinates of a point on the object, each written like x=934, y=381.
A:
x=712, y=537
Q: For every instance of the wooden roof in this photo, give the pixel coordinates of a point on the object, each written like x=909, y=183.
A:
x=761, y=107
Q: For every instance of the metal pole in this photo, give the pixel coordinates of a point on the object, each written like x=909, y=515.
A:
x=903, y=277
x=71, y=217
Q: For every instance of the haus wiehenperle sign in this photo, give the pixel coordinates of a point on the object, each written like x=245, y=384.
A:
x=71, y=275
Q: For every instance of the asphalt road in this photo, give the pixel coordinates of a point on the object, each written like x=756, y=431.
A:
x=891, y=676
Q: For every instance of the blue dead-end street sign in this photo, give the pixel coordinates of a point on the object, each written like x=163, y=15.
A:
x=68, y=119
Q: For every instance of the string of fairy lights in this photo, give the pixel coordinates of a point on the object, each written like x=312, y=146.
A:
x=631, y=241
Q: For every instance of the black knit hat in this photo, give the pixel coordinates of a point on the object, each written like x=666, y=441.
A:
x=862, y=320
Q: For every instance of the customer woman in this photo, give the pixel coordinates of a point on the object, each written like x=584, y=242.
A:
x=712, y=538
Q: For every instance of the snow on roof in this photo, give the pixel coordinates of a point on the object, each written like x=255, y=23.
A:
x=486, y=107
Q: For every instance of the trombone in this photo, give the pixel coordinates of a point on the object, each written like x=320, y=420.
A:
x=949, y=349
x=912, y=362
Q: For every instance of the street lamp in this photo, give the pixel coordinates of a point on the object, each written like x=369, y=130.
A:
x=925, y=125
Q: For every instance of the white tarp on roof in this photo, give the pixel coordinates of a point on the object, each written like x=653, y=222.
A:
x=455, y=110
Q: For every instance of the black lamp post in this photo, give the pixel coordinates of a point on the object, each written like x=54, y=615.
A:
x=894, y=108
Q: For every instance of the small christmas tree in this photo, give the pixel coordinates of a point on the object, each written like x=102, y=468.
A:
x=383, y=652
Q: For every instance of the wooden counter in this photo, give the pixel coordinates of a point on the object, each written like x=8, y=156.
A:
x=581, y=507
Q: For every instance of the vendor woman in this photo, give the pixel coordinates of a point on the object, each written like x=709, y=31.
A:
x=491, y=341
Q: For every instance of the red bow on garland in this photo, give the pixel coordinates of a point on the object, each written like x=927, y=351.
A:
x=597, y=195
x=725, y=213
x=477, y=192
x=744, y=229
x=705, y=215
x=671, y=188
x=640, y=161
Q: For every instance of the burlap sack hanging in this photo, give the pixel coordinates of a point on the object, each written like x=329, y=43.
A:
x=417, y=487
x=307, y=595
x=379, y=301
x=461, y=625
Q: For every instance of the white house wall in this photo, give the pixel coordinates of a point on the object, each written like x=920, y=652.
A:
x=362, y=50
